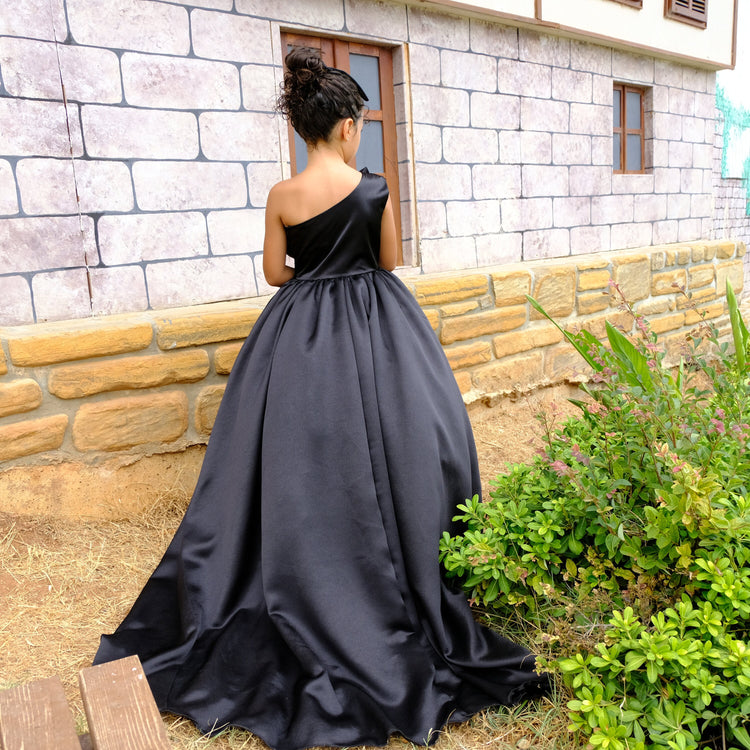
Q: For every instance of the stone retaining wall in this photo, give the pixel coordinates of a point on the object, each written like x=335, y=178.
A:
x=111, y=392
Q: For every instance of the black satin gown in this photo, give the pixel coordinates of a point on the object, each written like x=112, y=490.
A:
x=301, y=597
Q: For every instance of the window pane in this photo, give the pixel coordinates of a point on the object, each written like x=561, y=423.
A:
x=300, y=152
x=364, y=70
x=633, y=110
x=370, y=153
x=633, y=153
x=617, y=164
x=616, y=108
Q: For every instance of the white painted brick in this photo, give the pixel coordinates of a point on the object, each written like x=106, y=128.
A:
x=689, y=229
x=678, y=206
x=499, y=249
x=180, y=186
x=134, y=238
x=632, y=183
x=470, y=145
x=493, y=39
x=705, y=105
x=680, y=154
x=666, y=180
x=701, y=205
x=384, y=19
x=324, y=14
x=31, y=70
x=632, y=68
x=524, y=79
x=509, y=147
x=691, y=180
x=8, y=198
x=429, y=27
x=543, y=48
x=591, y=119
x=213, y=4
x=439, y=106
x=194, y=282
x=473, y=217
x=601, y=150
x=666, y=126
x=47, y=186
x=130, y=24
x=261, y=177
x=536, y=147
x=179, y=83
x=428, y=143
x=584, y=240
x=659, y=153
x=495, y=111
x=260, y=87
x=711, y=82
x=61, y=295
x=545, y=115
x=650, y=207
x=35, y=244
x=539, y=181
x=239, y=136
x=30, y=128
x=546, y=243
x=16, y=309
x=668, y=73
x=696, y=79
x=526, y=213
x=631, y=235
x=611, y=209
x=440, y=182
x=681, y=102
x=664, y=232
x=708, y=182
x=590, y=180
x=703, y=154
x=36, y=19
x=571, y=212
x=496, y=181
x=602, y=90
x=659, y=101
x=468, y=70
x=572, y=85
x=118, y=290
x=449, y=254
x=424, y=64
x=694, y=130
x=129, y=133
x=224, y=36
x=432, y=219
x=571, y=149
x=591, y=58
x=234, y=232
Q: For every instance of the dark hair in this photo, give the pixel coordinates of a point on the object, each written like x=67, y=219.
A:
x=315, y=97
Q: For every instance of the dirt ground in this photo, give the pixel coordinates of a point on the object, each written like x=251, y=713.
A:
x=63, y=583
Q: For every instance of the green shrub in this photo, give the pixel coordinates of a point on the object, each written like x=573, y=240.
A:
x=627, y=542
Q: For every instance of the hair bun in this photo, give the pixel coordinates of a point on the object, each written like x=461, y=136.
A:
x=305, y=64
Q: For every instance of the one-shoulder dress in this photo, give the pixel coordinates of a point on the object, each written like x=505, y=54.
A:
x=301, y=597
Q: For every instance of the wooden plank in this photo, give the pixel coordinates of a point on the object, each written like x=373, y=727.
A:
x=120, y=708
x=37, y=716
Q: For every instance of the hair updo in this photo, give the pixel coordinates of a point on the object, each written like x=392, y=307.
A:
x=315, y=97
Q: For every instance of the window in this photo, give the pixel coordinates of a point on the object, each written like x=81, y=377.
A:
x=688, y=11
x=372, y=67
x=628, y=129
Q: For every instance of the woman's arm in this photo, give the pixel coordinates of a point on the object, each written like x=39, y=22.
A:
x=275, y=269
x=388, y=244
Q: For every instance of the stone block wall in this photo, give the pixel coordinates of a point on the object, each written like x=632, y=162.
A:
x=120, y=389
x=166, y=143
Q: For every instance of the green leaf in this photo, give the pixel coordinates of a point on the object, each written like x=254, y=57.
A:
x=739, y=330
x=637, y=372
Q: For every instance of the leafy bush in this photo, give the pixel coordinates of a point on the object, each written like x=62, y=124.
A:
x=627, y=542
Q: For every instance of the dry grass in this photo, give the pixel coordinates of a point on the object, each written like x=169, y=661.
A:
x=63, y=583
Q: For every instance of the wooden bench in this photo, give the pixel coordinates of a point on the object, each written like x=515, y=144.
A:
x=120, y=710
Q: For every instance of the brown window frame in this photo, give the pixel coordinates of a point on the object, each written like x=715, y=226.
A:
x=335, y=53
x=624, y=88
x=694, y=12
x=632, y=3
